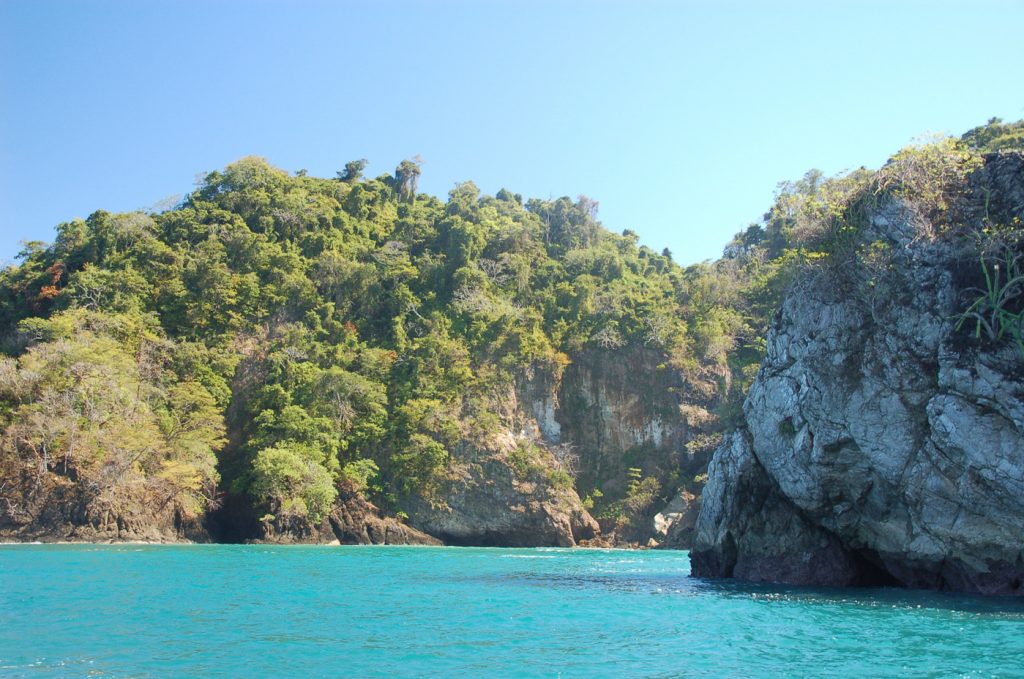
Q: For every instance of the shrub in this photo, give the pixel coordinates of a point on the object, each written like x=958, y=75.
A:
x=286, y=478
x=930, y=177
x=360, y=473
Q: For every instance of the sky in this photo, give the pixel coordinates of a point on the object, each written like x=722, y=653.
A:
x=679, y=118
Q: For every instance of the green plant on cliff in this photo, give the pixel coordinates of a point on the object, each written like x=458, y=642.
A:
x=814, y=235
x=931, y=179
x=998, y=310
x=360, y=473
x=632, y=509
x=292, y=480
x=996, y=135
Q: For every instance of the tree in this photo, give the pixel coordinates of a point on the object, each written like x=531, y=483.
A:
x=407, y=177
x=97, y=404
x=568, y=225
x=353, y=171
x=995, y=136
x=289, y=481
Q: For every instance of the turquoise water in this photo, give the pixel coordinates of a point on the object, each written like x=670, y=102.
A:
x=252, y=611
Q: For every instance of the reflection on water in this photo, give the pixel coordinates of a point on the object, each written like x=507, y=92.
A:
x=866, y=597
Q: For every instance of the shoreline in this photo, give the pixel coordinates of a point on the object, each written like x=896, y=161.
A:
x=188, y=543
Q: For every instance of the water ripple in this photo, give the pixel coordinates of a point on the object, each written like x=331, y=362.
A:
x=408, y=612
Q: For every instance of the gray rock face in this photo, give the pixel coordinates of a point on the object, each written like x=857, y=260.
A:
x=625, y=403
x=353, y=520
x=881, y=444
x=509, y=488
x=756, y=532
x=608, y=406
x=61, y=512
x=675, y=523
x=491, y=505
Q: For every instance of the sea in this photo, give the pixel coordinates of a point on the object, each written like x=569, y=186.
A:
x=328, y=611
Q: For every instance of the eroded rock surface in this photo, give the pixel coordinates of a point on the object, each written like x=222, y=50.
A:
x=54, y=509
x=674, y=525
x=515, y=488
x=628, y=404
x=490, y=504
x=881, y=444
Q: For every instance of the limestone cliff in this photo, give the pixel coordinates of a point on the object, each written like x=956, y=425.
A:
x=882, y=443
x=625, y=407
x=495, y=502
x=513, y=487
x=563, y=435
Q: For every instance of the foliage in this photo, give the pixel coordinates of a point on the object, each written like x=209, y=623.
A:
x=353, y=329
x=998, y=309
x=817, y=234
x=360, y=473
x=996, y=136
x=353, y=171
x=289, y=478
x=931, y=177
x=634, y=507
x=98, y=401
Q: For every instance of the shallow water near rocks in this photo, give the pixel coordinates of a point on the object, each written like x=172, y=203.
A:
x=234, y=611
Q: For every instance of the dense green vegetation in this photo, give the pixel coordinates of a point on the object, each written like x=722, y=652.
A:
x=341, y=329
x=822, y=223
x=275, y=336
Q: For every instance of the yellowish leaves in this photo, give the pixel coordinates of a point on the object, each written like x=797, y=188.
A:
x=930, y=176
x=181, y=474
x=94, y=405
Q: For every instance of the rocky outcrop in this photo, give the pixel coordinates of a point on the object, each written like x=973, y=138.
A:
x=748, y=529
x=609, y=410
x=674, y=525
x=498, y=502
x=514, y=487
x=51, y=508
x=352, y=521
x=355, y=521
x=881, y=443
x=619, y=408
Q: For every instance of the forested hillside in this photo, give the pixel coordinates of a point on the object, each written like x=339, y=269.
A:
x=279, y=344
x=277, y=337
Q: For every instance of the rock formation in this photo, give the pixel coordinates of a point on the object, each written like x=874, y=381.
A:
x=882, y=443
x=352, y=521
x=53, y=509
x=491, y=503
x=619, y=405
x=514, y=489
x=675, y=523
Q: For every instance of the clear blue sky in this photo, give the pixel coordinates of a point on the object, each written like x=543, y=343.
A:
x=678, y=117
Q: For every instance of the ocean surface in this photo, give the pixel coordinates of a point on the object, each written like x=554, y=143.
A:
x=261, y=611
